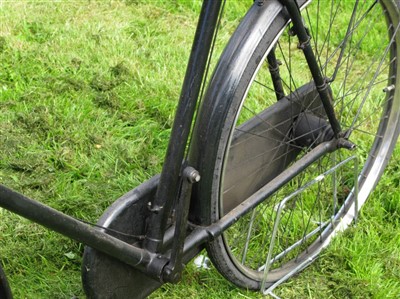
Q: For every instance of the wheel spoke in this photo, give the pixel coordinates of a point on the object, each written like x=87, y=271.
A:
x=355, y=47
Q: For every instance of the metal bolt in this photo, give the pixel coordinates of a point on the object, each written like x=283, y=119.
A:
x=344, y=143
x=191, y=174
x=388, y=88
x=154, y=209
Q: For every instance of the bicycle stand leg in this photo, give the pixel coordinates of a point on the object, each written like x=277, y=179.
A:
x=329, y=224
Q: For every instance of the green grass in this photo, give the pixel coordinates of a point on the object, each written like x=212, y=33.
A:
x=87, y=95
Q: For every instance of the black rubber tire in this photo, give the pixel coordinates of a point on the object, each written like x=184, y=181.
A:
x=255, y=36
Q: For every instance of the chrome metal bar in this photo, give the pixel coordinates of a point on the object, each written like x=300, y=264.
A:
x=280, y=207
x=246, y=247
x=356, y=206
x=296, y=244
x=272, y=243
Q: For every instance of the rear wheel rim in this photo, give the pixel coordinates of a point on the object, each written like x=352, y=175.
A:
x=359, y=128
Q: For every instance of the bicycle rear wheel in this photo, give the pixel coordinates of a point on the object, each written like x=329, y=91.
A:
x=256, y=127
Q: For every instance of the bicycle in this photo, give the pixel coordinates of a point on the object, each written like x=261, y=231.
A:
x=218, y=196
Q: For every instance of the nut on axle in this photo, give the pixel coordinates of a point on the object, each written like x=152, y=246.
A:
x=344, y=143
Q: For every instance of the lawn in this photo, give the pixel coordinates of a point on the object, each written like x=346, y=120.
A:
x=87, y=97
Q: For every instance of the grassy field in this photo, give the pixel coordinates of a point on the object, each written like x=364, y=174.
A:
x=87, y=95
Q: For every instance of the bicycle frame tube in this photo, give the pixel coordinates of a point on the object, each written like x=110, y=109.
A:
x=73, y=228
x=170, y=181
x=168, y=188
x=305, y=46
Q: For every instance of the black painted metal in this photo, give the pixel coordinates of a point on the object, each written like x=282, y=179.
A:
x=273, y=66
x=246, y=206
x=221, y=101
x=5, y=290
x=114, y=252
x=311, y=130
x=101, y=240
x=201, y=235
x=213, y=110
x=77, y=230
x=106, y=277
x=174, y=268
x=168, y=188
x=275, y=125
x=320, y=82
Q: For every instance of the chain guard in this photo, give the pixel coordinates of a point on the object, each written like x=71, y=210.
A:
x=104, y=277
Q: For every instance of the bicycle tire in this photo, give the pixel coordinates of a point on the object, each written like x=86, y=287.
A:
x=237, y=74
